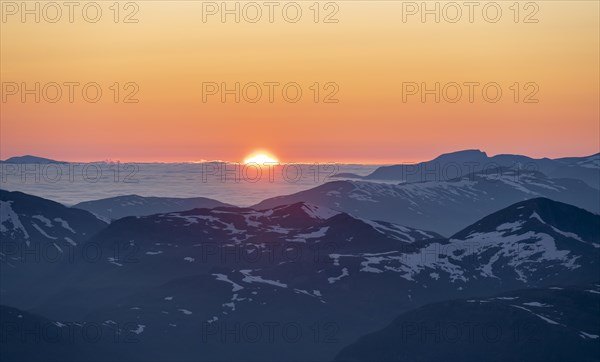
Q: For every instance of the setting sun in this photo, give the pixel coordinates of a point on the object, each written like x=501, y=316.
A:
x=260, y=158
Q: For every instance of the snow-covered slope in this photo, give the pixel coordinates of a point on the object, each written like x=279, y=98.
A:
x=32, y=224
x=443, y=206
x=531, y=243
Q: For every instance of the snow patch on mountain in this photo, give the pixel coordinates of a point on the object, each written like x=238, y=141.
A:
x=588, y=335
x=64, y=224
x=41, y=231
x=590, y=162
x=139, y=330
x=536, y=216
x=225, y=278
x=519, y=250
x=395, y=231
x=321, y=232
x=44, y=220
x=8, y=215
x=345, y=273
x=249, y=278
x=510, y=226
x=319, y=212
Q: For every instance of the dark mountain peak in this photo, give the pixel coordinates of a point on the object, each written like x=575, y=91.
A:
x=26, y=218
x=565, y=320
x=413, y=172
x=301, y=210
x=540, y=202
x=360, y=228
x=344, y=223
x=295, y=222
x=145, y=199
x=339, y=185
x=232, y=209
x=26, y=199
x=283, y=219
x=30, y=159
x=539, y=214
x=122, y=197
x=462, y=156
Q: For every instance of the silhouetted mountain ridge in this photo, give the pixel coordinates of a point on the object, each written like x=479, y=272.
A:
x=134, y=205
x=550, y=324
x=30, y=160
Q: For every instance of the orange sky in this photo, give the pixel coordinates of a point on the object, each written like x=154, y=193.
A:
x=368, y=53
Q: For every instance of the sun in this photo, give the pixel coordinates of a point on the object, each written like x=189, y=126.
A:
x=260, y=158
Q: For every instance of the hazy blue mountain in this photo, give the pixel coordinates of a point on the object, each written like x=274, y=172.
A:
x=442, y=206
x=30, y=159
x=550, y=324
x=457, y=164
x=133, y=205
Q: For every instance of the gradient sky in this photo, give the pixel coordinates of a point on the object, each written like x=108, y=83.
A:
x=369, y=53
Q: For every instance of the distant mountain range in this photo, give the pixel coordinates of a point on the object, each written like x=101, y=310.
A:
x=30, y=159
x=443, y=206
x=178, y=281
x=457, y=164
x=454, y=165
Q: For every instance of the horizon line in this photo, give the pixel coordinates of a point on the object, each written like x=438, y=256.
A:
x=304, y=162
